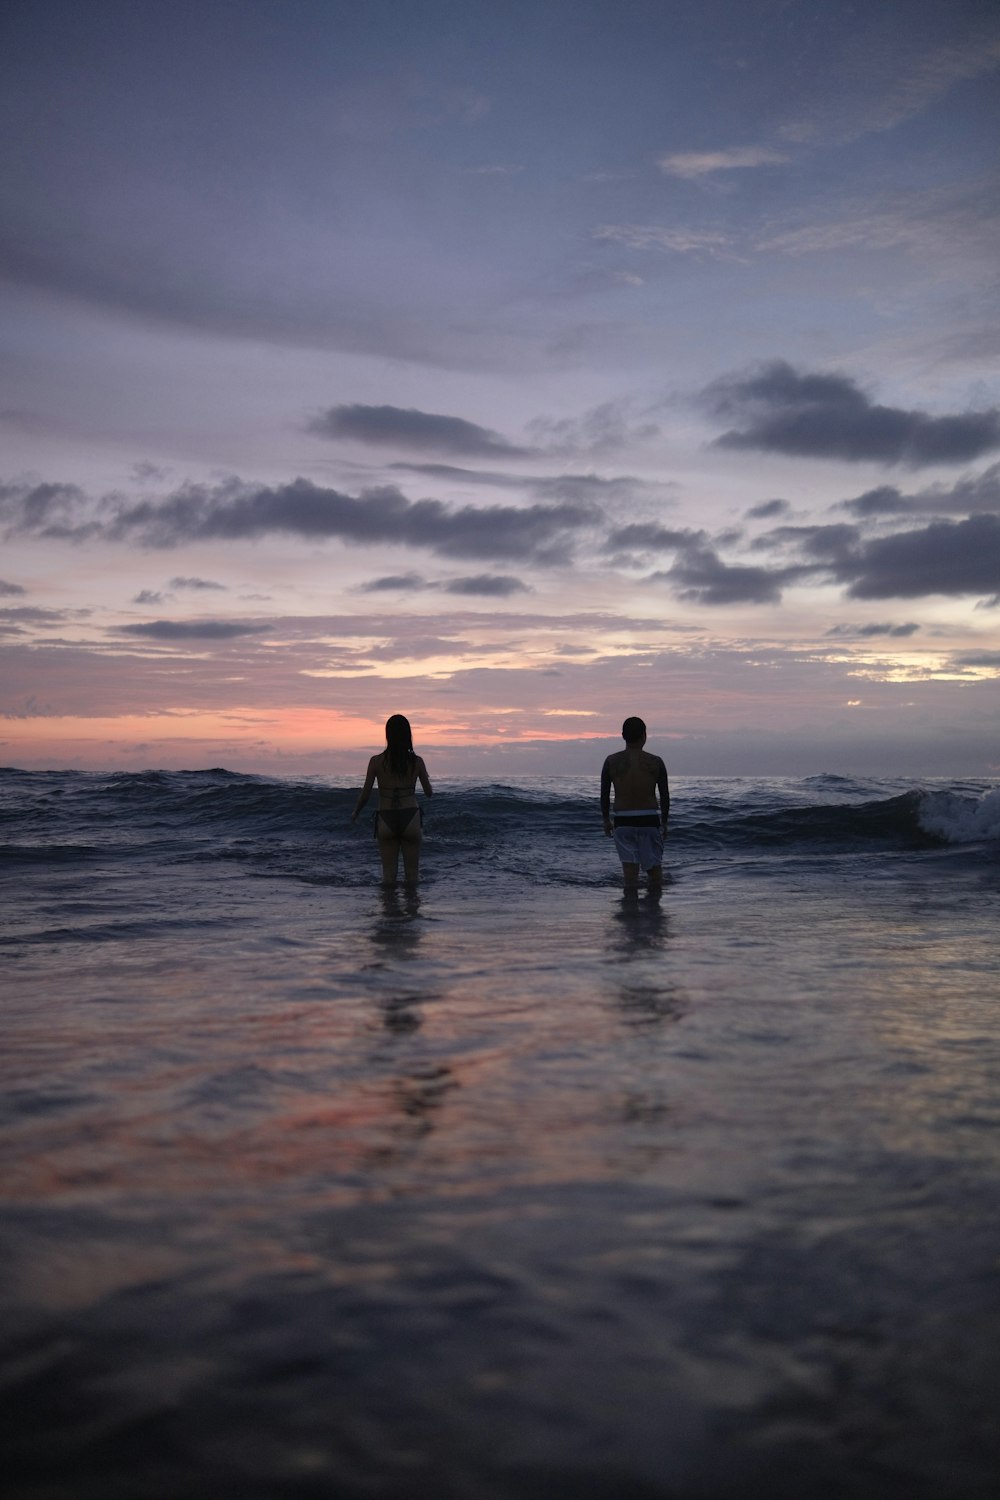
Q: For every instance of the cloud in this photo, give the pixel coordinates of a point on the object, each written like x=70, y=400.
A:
x=384, y=516
x=946, y=557
x=699, y=575
x=490, y=585
x=864, y=632
x=970, y=495
x=406, y=427
x=694, y=164
x=768, y=510
x=10, y=590
x=48, y=509
x=977, y=659
x=781, y=410
x=820, y=542
x=673, y=240
x=395, y=583
x=34, y=615
x=955, y=222
x=467, y=476
x=892, y=83
x=884, y=500
x=191, y=630
x=496, y=169
x=648, y=537
x=415, y=647
x=195, y=583
x=546, y=486
x=594, y=487
x=235, y=510
x=148, y=596
x=604, y=428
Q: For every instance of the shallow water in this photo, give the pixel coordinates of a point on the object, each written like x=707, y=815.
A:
x=511, y=1186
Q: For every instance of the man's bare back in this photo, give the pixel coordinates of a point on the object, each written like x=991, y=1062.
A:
x=639, y=825
x=636, y=776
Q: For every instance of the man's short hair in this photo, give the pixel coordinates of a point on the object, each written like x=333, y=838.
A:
x=633, y=730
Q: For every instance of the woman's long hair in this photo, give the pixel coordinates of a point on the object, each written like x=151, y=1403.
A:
x=399, y=744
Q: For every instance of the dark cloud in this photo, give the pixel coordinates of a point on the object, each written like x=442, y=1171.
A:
x=382, y=516
x=490, y=585
x=977, y=659
x=820, y=542
x=946, y=557
x=700, y=575
x=30, y=614
x=148, y=596
x=592, y=487
x=781, y=410
x=863, y=632
x=406, y=427
x=649, y=537
x=768, y=510
x=585, y=487
x=195, y=583
x=234, y=510
x=10, y=590
x=395, y=583
x=885, y=500
x=49, y=509
x=971, y=495
x=192, y=630
x=22, y=619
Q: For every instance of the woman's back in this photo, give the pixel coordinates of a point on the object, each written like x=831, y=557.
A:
x=391, y=778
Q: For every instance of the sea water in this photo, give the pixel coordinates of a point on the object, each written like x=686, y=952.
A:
x=512, y=1186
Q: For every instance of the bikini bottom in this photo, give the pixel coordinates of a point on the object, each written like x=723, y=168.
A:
x=396, y=819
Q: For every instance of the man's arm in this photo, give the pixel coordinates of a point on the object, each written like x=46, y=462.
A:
x=606, y=795
x=663, y=787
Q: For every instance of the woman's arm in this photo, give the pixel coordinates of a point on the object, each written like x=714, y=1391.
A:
x=366, y=790
x=423, y=778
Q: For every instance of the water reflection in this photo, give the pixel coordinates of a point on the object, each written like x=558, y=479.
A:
x=396, y=929
x=395, y=934
x=638, y=932
x=639, y=925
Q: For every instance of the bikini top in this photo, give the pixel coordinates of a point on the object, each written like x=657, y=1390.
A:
x=400, y=791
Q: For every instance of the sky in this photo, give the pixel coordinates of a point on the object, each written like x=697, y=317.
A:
x=515, y=366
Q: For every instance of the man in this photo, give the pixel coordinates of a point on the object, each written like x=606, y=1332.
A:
x=639, y=826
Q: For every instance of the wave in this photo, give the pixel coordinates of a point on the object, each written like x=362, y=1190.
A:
x=233, y=814
x=958, y=819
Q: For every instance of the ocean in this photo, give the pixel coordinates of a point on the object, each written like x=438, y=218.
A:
x=508, y=1188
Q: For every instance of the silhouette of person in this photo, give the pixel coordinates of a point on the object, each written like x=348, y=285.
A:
x=638, y=825
x=398, y=820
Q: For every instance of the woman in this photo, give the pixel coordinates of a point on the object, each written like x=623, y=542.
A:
x=397, y=824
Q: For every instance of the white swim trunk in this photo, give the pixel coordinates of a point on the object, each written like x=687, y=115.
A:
x=639, y=838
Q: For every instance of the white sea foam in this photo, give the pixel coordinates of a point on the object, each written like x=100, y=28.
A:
x=958, y=819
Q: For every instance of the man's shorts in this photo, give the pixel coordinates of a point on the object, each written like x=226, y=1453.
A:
x=639, y=839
